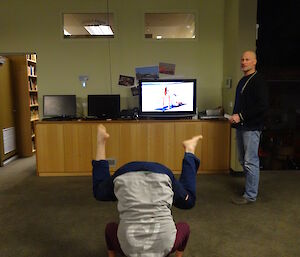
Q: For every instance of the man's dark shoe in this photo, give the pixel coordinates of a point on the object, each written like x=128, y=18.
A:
x=240, y=200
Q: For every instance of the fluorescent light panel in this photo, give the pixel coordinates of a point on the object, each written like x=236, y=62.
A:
x=66, y=33
x=99, y=30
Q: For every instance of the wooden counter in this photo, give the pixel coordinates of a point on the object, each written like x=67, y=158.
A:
x=66, y=148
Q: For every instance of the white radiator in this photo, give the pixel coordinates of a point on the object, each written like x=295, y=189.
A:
x=9, y=139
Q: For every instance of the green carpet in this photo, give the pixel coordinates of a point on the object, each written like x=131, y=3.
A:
x=58, y=216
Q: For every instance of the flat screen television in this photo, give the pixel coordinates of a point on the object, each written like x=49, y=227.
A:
x=59, y=105
x=104, y=106
x=167, y=98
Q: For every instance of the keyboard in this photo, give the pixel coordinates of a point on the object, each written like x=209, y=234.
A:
x=59, y=118
x=211, y=117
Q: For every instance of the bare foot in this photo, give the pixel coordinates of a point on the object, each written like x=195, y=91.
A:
x=190, y=144
x=102, y=135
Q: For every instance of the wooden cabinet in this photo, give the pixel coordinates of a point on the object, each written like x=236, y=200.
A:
x=24, y=79
x=7, y=121
x=184, y=130
x=147, y=141
x=77, y=145
x=216, y=146
x=67, y=148
x=50, y=145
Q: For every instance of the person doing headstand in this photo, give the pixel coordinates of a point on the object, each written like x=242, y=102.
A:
x=146, y=192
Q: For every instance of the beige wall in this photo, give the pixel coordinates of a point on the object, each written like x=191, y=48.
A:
x=224, y=30
x=239, y=35
x=36, y=26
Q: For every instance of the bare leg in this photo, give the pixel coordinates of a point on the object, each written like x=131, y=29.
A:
x=178, y=254
x=190, y=144
x=112, y=253
x=102, y=136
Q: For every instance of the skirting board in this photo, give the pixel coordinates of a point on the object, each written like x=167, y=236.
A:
x=7, y=161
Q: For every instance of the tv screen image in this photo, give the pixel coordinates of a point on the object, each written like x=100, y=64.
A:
x=59, y=105
x=104, y=106
x=167, y=97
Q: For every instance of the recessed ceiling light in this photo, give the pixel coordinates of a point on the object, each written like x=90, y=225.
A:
x=99, y=30
x=66, y=33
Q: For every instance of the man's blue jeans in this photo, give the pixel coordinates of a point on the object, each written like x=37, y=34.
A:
x=248, y=143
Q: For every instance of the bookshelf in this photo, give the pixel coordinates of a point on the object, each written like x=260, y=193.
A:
x=24, y=74
x=33, y=94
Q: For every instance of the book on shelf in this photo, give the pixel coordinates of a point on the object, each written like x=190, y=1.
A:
x=32, y=86
x=31, y=57
x=33, y=100
x=31, y=70
x=34, y=115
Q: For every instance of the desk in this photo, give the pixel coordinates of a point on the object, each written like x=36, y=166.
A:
x=66, y=148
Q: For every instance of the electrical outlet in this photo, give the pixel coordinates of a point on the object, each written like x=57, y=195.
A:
x=112, y=162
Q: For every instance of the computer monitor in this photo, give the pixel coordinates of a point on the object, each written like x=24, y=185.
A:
x=104, y=106
x=59, y=105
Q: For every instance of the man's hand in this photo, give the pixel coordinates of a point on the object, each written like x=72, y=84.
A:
x=235, y=118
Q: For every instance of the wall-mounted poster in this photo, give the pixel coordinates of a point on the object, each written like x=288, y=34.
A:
x=126, y=80
x=167, y=68
x=150, y=72
x=135, y=91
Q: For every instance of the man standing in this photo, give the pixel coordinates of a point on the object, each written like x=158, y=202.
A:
x=251, y=103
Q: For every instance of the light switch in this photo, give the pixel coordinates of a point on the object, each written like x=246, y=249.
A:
x=228, y=82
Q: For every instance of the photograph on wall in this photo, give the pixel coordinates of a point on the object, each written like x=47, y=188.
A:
x=167, y=68
x=126, y=80
x=150, y=72
x=135, y=91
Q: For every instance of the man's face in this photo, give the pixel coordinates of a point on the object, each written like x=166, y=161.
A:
x=248, y=62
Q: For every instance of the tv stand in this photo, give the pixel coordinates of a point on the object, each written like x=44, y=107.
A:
x=66, y=148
